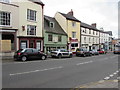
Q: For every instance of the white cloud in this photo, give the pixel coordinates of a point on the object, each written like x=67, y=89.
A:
x=102, y=12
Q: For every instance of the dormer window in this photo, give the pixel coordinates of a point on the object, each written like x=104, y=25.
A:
x=51, y=24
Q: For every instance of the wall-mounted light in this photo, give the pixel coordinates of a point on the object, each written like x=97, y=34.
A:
x=23, y=28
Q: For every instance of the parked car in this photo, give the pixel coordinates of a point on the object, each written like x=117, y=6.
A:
x=94, y=52
x=102, y=51
x=61, y=53
x=29, y=53
x=83, y=52
x=117, y=51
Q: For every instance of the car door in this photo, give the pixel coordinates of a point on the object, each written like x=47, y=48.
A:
x=29, y=53
x=36, y=54
x=65, y=53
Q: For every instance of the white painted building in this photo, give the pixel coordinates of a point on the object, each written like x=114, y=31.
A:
x=89, y=36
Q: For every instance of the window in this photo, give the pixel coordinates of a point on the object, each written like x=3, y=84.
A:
x=96, y=33
x=73, y=24
x=93, y=32
x=89, y=31
x=73, y=34
x=89, y=40
x=74, y=45
x=31, y=15
x=23, y=44
x=51, y=24
x=50, y=38
x=6, y=1
x=35, y=50
x=31, y=30
x=85, y=39
x=4, y=18
x=59, y=38
x=38, y=45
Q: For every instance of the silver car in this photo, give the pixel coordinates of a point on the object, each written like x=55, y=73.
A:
x=61, y=53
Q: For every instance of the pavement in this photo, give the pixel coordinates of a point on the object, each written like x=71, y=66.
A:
x=101, y=84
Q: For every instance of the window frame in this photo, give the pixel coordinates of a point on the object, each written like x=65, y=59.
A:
x=29, y=29
x=31, y=15
x=5, y=18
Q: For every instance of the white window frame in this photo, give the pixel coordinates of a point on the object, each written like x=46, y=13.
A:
x=6, y=20
x=73, y=34
x=31, y=17
x=29, y=29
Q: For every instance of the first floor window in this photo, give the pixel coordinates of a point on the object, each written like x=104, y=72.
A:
x=31, y=30
x=4, y=18
x=59, y=38
x=50, y=37
x=73, y=34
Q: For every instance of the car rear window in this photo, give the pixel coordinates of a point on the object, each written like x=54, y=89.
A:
x=19, y=50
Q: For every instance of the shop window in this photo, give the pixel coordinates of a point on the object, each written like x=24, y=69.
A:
x=23, y=44
x=74, y=45
x=38, y=45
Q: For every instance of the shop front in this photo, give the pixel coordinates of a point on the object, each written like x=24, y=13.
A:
x=73, y=45
x=51, y=47
x=31, y=42
x=8, y=40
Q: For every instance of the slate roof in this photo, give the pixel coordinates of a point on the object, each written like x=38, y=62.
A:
x=37, y=1
x=88, y=26
x=57, y=28
x=69, y=17
x=109, y=32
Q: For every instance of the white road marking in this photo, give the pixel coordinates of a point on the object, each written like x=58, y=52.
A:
x=84, y=63
x=111, y=75
x=36, y=71
x=107, y=78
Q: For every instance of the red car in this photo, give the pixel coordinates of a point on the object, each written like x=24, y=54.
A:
x=101, y=51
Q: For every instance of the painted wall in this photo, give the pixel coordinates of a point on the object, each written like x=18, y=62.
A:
x=23, y=6
x=62, y=21
x=64, y=39
x=71, y=29
x=14, y=14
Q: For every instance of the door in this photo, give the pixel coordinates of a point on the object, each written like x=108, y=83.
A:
x=31, y=45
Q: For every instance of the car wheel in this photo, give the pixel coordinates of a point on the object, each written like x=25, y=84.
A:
x=70, y=56
x=43, y=57
x=84, y=55
x=59, y=56
x=24, y=58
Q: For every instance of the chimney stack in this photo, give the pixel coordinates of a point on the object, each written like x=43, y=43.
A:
x=94, y=25
x=70, y=13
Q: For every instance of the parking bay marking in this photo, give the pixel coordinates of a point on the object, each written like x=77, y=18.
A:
x=36, y=71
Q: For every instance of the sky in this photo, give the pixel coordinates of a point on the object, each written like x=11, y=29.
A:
x=102, y=12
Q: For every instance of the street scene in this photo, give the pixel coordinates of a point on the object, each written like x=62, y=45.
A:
x=59, y=44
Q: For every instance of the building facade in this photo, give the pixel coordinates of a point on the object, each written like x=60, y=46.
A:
x=89, y=36
x=9, y=14
x=54, y=36
x=71, y=26
x=30, y=30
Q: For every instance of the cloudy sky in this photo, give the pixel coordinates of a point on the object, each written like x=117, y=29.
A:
x=102, y=12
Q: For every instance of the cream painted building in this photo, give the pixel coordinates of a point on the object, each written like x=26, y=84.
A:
x=71, y=26
x=30, y=30
x=9, y=23
x=89, y=36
